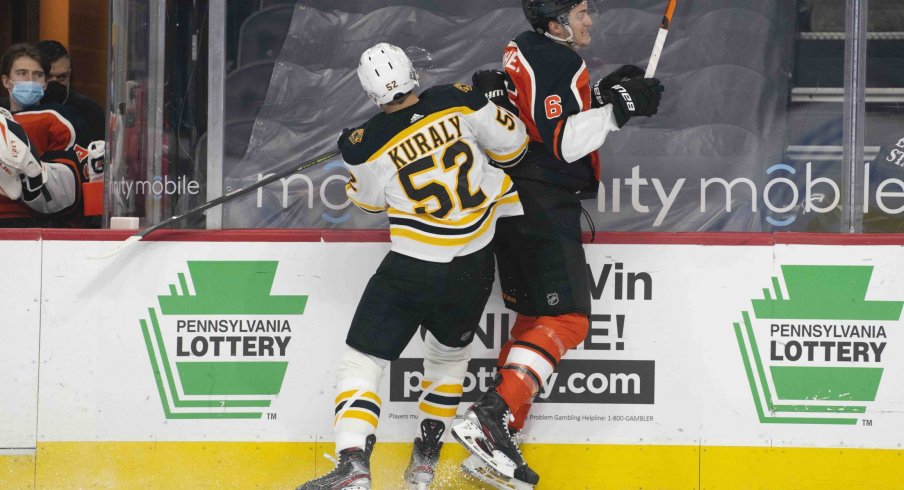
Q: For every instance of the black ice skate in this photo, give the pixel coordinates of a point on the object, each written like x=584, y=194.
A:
x=485, y=433
x=425, y=455
x=352, y=471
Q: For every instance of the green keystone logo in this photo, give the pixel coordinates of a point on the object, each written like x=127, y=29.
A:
x=817, y=355
x=221, y=352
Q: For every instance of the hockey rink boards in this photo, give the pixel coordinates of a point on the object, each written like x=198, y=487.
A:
x=208, y=362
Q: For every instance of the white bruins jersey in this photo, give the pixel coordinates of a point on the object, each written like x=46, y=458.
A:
x=428, y=166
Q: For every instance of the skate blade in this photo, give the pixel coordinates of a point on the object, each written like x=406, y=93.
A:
x=476, y=468
x=468, y=433
x=418, y=481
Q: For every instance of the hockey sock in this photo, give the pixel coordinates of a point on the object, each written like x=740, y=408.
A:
x=441, y=388
x=533, y=357
x=357, y=410
x=522, y=324
x=520, y=416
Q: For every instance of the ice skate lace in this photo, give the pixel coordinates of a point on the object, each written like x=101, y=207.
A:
x=331, y=458
x=507, y=417
x=430, y=453
x=334, y=461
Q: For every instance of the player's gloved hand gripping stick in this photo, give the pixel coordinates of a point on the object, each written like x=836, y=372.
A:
x=629, y=94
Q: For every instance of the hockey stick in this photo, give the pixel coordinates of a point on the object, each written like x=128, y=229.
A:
x=660, y=39
x=220, y=200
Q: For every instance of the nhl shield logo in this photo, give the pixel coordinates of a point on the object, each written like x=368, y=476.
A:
x=552, y=299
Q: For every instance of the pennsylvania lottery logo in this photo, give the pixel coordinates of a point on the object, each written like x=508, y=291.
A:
x=814, y=348
x=218, y=342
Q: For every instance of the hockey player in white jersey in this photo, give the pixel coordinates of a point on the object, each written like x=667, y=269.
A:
x=430, y=161
x=20, y=170
x=32, y=183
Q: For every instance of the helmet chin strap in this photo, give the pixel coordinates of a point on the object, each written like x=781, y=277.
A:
x=567, y=25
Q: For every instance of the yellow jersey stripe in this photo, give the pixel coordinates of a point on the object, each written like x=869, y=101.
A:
x=396, y=231
x=507, y=157
x=366, y=206
x=417, y=127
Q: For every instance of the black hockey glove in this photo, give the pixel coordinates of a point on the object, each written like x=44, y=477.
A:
x=494, y=85
x=623, y=74
x=639, y=97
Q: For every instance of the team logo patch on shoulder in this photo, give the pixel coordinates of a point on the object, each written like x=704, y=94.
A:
x=464, y=88
x=357, y=136
x=81, y=153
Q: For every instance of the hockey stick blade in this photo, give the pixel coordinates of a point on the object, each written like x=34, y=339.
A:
x=660, y=38
x=220, y=200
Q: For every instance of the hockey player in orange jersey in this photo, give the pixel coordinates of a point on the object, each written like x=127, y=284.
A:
x=542, y=266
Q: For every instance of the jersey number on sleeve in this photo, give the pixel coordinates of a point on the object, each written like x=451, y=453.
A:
x=458, y=155
x=553, y=106
x=505, y=119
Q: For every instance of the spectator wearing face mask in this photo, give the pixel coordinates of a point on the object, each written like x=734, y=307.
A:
x=59, y=88
x=51, y=59
x=23, y=76
x=23, y=73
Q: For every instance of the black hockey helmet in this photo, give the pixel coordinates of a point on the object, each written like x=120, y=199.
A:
x=540, y=12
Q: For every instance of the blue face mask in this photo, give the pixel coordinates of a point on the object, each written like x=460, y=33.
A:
x=27, y=94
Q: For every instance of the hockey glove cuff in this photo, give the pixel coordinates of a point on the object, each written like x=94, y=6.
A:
x=494, y=84
x=623, y=74
x=631, y=98
x=94, y=167
x=19, y=164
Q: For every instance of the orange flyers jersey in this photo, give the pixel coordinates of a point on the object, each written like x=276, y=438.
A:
x=53, y=140
x=551, y=88
x=47, y=129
